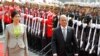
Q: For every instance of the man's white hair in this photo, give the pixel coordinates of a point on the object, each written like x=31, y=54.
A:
x=63, y=16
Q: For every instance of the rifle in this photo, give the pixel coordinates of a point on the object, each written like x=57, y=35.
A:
x=76, y=31
x=44, y=25
x=81, y=42
x=36, y=30
x=93, y=39
x=98, y=51
x=88, y=43
x=34, y=24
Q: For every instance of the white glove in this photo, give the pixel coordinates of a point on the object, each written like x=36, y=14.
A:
x=55, y=54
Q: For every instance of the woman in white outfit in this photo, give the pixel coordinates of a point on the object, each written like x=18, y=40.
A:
x=16, y=39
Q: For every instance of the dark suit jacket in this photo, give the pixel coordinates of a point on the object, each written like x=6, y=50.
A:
x=61, y=47
x=55, y=21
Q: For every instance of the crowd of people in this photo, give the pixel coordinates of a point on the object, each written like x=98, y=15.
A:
x=41, y=20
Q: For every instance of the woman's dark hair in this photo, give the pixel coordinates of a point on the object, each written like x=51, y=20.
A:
x=14, y=13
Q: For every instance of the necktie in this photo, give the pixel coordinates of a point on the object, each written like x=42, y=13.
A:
x=64, y=34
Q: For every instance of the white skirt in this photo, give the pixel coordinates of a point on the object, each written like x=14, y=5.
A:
x=17, y=51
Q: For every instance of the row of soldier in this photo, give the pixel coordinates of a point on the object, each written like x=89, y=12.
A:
x=33, y=22
x=87, y=28
x=42, y=20
x=6, y=9
x=87, y=35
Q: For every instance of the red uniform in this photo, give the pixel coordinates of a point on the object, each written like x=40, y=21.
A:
x=11, y=9
x=49, y=24
x=26, y=11
x=1, y=10
x=7, y=19
x=6, y=8
x=17, y=8
x=35, y=12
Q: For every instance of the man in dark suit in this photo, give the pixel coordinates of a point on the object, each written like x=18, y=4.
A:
x=55, y=21
x=63, y=41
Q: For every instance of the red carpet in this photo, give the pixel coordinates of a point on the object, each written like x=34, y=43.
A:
x=1, y=49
